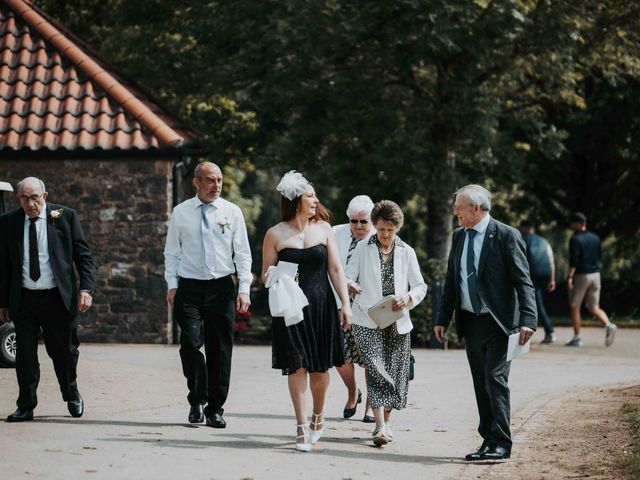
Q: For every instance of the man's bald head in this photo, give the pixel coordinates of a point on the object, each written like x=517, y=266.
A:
x=31, y=194
x=207, y=178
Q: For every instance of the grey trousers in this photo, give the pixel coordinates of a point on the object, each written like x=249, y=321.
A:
x=486, y=346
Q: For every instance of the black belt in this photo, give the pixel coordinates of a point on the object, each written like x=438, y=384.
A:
x=469, y=314
x=39, y=293
x=204, y=282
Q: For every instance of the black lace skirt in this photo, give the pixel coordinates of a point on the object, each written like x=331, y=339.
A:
x=315, y=343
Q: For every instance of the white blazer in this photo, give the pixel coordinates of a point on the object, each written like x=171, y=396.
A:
x=343, y=240
x=364, y=269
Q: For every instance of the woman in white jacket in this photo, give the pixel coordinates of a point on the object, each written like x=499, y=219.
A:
x=348, y=236
x=385, y=265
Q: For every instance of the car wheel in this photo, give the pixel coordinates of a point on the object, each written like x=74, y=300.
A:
x=8, y=345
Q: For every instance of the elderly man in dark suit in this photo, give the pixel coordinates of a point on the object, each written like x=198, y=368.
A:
x=489, y=287
x=39, y=245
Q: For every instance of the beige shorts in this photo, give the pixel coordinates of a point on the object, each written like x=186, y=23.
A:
x=586, y=286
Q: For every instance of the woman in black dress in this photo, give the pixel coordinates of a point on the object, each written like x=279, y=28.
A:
x=306, y=350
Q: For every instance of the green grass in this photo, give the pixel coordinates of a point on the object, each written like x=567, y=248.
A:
x=629, y=463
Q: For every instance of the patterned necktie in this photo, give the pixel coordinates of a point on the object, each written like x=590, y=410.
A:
x=352, y=246
x=34, y=259
x=207, y=240
x=472, y=277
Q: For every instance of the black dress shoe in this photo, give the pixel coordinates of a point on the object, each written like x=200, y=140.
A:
x=350, y=412
x=477, y=455
x=368, y=419
x=20, y=415
x=196, y=413
x=76, y=407
x=215, y=419
x=496, y=453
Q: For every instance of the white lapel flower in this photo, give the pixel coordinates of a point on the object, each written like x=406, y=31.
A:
x=56, y=213
x=224, y=224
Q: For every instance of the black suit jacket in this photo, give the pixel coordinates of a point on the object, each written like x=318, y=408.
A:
x=504, y=282
x=67, y=246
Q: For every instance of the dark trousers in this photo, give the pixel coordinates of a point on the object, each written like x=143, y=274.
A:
x=44, y=310
x=205, y=311
x=542, y=312
x=486, y=346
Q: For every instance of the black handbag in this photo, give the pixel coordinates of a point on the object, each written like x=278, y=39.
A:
x=412, y=363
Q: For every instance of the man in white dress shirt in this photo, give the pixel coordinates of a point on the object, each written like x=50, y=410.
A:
x=206, y=244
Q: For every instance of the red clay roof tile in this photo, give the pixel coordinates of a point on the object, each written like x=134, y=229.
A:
x=55, y=95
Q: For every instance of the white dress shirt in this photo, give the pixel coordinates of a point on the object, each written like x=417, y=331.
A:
x=184, y=252
x=46, y=281
x=480, y=228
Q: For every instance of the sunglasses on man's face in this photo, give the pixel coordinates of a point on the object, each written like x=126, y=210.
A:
x=362, y=222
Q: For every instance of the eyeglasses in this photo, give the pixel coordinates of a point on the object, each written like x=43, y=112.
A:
x=32, y=198
x=361, y=222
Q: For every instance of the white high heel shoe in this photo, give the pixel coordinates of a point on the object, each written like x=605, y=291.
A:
x=380, y=436
x=315, y=432
x=303, y=442
x=388, y=432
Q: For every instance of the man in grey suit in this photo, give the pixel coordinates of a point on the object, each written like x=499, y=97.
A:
x=489, y=287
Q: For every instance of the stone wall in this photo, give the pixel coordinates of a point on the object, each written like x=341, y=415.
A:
x=124, y=207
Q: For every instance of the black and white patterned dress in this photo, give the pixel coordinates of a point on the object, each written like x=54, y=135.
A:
x=385, y=353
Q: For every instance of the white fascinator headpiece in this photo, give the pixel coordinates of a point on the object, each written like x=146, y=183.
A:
x=292, y=185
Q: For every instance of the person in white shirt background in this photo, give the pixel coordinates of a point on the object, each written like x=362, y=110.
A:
x=206, y=243
x=347, y=237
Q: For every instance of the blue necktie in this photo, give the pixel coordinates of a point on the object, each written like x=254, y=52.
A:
x=472, y=277
x=207, y=240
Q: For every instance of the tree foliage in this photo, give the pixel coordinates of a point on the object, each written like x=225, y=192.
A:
x=402, y=99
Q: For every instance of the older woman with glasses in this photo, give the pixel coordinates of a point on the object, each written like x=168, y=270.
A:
x=385, y=266
x=347, y=237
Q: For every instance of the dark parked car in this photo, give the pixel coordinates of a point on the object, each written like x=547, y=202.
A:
x=7, y=330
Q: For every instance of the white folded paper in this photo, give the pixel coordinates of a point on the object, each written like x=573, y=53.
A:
x=286, y=298
x=382, y=312
x=514, y=349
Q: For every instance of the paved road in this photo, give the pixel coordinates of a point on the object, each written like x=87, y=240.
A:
x=135, y=424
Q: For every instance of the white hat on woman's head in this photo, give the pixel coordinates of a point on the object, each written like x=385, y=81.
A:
x=292, y=185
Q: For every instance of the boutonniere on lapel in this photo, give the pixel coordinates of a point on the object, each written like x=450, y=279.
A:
x=55, y=214
x=224, y=224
